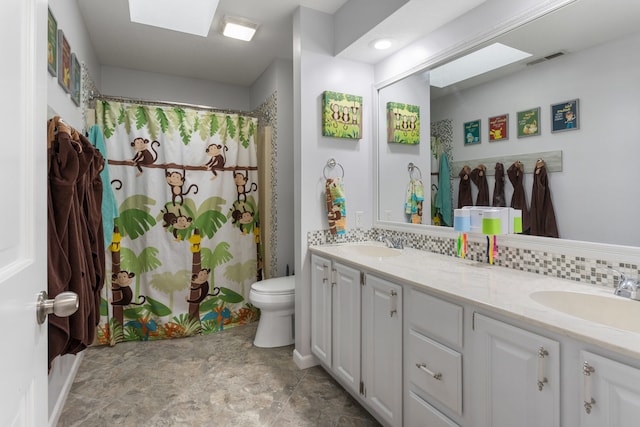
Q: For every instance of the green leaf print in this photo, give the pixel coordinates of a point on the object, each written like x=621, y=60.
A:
x=210, y=222
x=141, y=117
x=183, y=126
x=213, y=127
x=211, y=204
x=157, y=308
x=138, y=201
x=231, y=127
x=163, y=121
x=209, y=304
x=133, y=313
x=218, y=256
x=104, y=307
x=135, y=223
x=229, y=296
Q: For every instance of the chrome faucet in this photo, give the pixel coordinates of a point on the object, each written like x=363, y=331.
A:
x=390, y=242
x=627, y=287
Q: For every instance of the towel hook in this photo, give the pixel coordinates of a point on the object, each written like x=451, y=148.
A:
x=331, y=164
x=412, y=168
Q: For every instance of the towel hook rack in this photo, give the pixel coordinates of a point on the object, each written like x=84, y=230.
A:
x=331, y=164
x=413, y=168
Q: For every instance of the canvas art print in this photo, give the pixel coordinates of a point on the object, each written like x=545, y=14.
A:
x=403, y=123
x=52, y=45
x=64, y=62
x=564, y=116
x=529, y=122
x=472, y=132
x=75, y=79
x=341, y=115
x=499, y=128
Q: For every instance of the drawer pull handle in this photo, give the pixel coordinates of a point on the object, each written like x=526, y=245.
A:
x=393, y=302
x=325, y=279
x=423, y=367
x=542, y=380
x=589, y=401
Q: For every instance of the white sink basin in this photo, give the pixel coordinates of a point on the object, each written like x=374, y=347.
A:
x=614, y=311
x=373, y=250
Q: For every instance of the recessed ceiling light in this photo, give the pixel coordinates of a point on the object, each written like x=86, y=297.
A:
x=479, y=62
x=381, y=44
x=192, y=17
x=238, y=28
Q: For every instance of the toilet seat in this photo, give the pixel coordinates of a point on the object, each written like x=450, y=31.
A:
x=277, y=286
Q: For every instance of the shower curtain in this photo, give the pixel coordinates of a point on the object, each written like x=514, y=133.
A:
x=186, y=246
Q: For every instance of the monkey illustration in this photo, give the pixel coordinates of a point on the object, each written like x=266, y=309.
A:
x=218, y=158
x=178, y=222
x=120, y=285
x=241, y=181
x=143, y=153
x=242, y=217
x=176, y=182
x=200, y=283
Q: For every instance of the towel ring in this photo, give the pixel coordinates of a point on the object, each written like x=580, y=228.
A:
x=331, y=164
x=412, y=168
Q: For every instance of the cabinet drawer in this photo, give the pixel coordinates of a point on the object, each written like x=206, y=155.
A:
x=435, y=369
x=420, y=413
x=432, y=316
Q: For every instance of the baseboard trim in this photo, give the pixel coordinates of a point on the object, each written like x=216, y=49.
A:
x=304, y=362
x=54, y=416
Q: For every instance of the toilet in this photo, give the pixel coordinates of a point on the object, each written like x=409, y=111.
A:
x=276, y=300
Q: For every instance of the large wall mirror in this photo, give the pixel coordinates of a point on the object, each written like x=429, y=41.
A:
x=588, y=51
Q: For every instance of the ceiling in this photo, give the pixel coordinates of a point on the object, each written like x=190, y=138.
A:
x=119, y=43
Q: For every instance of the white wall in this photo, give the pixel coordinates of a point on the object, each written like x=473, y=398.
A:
x=592, y=196
x=70, y=21
x=316, y=70
x=163, y=87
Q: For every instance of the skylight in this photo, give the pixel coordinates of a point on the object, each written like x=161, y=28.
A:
x=186, y=16
x=479, y=62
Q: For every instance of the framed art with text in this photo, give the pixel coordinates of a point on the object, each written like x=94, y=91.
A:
x=52, y=45
x=499, y=128
x=472, y=132
x=64, y=62
x=565, y=116
x=528, y=122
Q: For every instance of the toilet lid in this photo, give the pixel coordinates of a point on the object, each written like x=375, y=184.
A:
x=275, y=286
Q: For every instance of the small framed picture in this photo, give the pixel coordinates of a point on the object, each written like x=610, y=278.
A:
x=528, y=122
x=52, y=45
x=76, y=79
x=499, y=128
x=565, y=116
x=64, y=62
x=403, y=123
x=341, y=115
x=472, y=132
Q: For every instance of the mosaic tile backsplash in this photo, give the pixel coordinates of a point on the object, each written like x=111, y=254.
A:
x=576, y=268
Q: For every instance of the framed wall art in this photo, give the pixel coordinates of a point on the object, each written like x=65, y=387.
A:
x=528, y=122
x=341, y=115
x=499, y=128
x=64, y=62
x=52, y=45
x=403, y=123
x=76, y=79
x=565, y=116
x=472, y=132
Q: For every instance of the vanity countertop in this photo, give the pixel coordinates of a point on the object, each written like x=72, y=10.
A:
x=497, y=289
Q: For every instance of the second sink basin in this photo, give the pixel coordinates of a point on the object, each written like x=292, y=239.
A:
x=617, y=312
x=373, y=250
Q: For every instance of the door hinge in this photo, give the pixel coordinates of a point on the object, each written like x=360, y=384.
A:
x=363, y=278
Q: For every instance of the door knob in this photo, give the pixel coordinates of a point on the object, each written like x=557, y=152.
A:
x=63, y=305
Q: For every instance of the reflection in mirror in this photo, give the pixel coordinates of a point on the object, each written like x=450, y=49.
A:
x=585, y=51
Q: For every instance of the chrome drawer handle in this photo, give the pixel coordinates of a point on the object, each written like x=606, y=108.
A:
x=423, y=367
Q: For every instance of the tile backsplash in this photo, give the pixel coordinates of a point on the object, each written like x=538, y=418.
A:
x=592, y=271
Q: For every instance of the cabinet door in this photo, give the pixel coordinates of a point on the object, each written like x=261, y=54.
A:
x=321, y=309
x=346, y=325
x=611, y=393
x=382, y=348
x=518, y=376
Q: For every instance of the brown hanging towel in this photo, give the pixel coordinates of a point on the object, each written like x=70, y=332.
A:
x=518, y=199
x=543, y=217
x=464, y=190
x=479, y=178
x=499, y=199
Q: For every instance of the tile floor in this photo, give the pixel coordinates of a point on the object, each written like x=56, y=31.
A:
x=213, y=380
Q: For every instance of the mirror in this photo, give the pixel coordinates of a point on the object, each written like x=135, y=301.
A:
x=587, y=50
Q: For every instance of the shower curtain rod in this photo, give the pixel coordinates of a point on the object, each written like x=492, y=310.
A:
x=93, y=96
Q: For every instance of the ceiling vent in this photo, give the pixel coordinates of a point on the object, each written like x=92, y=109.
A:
x=546, y=58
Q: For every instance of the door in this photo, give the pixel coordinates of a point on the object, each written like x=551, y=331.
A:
x=23, y=360
x=321, y=284
x=346, y=325
x=382, y=347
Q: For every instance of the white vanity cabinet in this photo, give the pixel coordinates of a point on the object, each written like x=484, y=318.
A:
x=382, y=347
x=517, y=376
x=335, y=319
x=356, y=333
x=433, y=360
x=610, y=392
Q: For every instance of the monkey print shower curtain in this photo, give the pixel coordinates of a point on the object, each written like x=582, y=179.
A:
x=185, y=247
